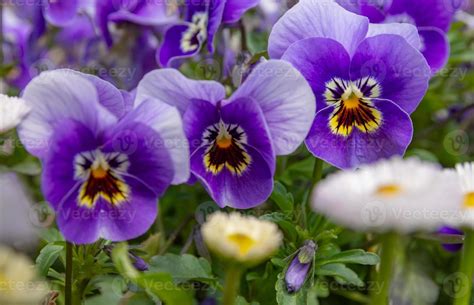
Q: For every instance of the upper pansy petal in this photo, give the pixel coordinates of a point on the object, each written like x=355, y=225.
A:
x=435, y=47
x=407, y=31
x=60, y=12
x=234, y=9
x=286, y=100
x=109, y=96
x=173, y=88
x=427, y=13
x=166, y=121
x=331, y=61
x=313, y=18
x=216, y=11
x=401, y=71
x=55, y=96
x=391, y=138
x=150, y=13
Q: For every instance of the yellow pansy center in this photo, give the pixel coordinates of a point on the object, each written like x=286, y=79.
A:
x=242, y=241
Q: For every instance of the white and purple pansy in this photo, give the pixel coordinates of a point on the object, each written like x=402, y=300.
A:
x=367, y=79
x=432, y=18
x=104, y=163
x=202, y=21
x=234, y=142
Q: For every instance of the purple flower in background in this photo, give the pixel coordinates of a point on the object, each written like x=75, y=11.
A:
x=367, y=79
x=103, y=167
x=60, y=12
x=141, y=12
x=431, y=17
x=298, y=270
x=450, y=232
x=234, y=141
x=202, y=21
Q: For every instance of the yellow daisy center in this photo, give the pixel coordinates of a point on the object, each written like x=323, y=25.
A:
x=388, y=190
x=469, y=200
x=243, y=242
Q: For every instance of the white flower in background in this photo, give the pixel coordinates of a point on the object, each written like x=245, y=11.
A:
x=12, y=111
x=18, y=282
x=245, y=239
x=16, y=227
x=465, y=205
x=390, y=195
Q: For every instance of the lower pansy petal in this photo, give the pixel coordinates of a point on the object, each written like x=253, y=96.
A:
x=180, y=41
x=199, y=115
x=390, y=137
x=234, y=9
x=244, y=191
x=435, y=47
x=400, y=70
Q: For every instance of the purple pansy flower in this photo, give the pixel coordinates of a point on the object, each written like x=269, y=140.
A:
x=234, y=141
x=60, y=12
x=203, y=19
x=103, y=167
x=431, y=17
x=451, y=232
x=367, y=79
x=141, y=12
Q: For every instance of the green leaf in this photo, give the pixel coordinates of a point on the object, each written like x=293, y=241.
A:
x=183, y=268
x=341, y=274
x=282, y=198
x=47, y=257
x=160, y=285
x=287, y=226
x=357, y=256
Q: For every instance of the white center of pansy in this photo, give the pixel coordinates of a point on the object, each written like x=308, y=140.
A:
x=353, y=107
x=196, y=32
x=100, y=174
x=225, y=148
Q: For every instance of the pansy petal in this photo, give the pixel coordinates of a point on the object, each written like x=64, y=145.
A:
x=312, y=18
x=150, y=13
x=109, y=96
x=173, y=88
x=58, y=184
x=60, y=12
x=400, y=69
x=435, y=47
x=171, y=47
x=392, y=138
x=55, y=96
x=248, y=190
x=331, y=61
x=198, y=116
x=286, y=100
x=407, y=31
x=166, y=121
x=234, y=9
x=216, y=10
x=428, y=13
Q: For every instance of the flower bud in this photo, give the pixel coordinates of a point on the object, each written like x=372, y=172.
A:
x=300, y=265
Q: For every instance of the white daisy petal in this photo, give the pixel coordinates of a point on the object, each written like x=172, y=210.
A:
x=12, y=111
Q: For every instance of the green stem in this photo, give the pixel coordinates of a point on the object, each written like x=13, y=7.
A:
x=315, y=178
x=466, y=270
x=232, y=284
x=388, y=256
x=68, y=280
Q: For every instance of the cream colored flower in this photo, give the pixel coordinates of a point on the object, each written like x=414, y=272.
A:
x=245, y=239
x=18, y=283
x=12, y=111
x=465, y=206
x=390, y=195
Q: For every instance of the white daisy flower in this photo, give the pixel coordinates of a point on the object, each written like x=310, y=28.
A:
x=464, y=206
x=12, y=111
x=18, y=282
x=391, y=195
x=245, y=239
